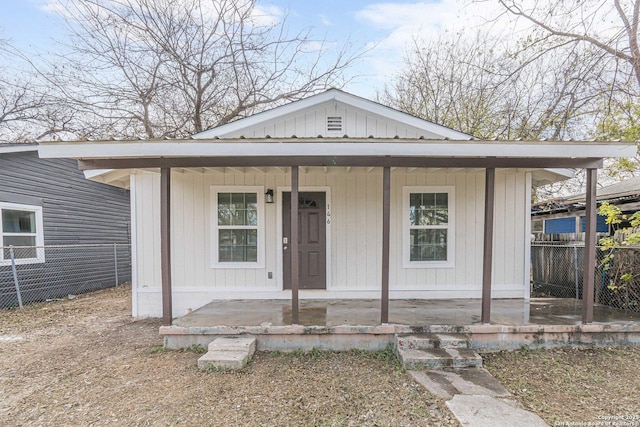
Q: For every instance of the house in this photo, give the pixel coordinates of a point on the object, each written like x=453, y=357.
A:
x=61, y=225
x=563, y=219
x=388, y=206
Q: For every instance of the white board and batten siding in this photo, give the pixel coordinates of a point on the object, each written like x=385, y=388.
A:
x=335, y=117
x=312, y=123
x=354, y=236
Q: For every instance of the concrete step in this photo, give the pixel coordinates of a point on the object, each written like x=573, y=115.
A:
x=228, y=353
x=438, y=358
x=425, y=341
x=234, y=343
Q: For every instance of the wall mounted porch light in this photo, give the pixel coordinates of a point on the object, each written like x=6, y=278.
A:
x=268, y=196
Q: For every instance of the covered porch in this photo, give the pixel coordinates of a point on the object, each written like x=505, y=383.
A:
x=354, y=323
x=295, y=155
x=409, y=312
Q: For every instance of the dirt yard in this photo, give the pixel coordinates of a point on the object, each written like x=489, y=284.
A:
x=84, y=362
x=563, y=386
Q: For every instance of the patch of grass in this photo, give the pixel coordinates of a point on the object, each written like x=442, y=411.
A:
x=196, y=348
x=156, y=349
x=299, y=354
x=388, y=354
x=570, y=384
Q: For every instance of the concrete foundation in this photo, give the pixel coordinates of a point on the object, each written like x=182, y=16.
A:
x=354, y=324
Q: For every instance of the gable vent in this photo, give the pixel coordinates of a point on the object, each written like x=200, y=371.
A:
x=334, y=124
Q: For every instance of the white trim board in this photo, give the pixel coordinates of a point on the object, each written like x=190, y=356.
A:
x=17, y=148
x=134, y=247
x=333, y=147
x=527, y=237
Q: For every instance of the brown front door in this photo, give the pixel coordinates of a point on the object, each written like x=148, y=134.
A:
x=311, y=240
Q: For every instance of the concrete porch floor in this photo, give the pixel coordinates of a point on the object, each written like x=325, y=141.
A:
x=417, y=313
x=355, y=324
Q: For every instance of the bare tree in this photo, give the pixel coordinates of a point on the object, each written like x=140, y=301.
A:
x=476, y=85
x=158, y=68
x=607, y=26
x=22, y=100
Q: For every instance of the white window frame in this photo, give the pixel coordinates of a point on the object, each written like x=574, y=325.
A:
x=406, y=227
x=215, y=251
x=39, y=234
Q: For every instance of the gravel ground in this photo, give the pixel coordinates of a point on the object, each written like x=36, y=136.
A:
x=580, y=386
x=84, y=362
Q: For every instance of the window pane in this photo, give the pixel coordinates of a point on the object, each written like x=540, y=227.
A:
x=225, y=237
x=252, y=254
x=237, y=216
x=239, y=237
x=537, y=226
x=19, y=253
x=251, y=199
x=224, y=254
x=18, y=221
x=224, y=199
x=251, y=209
x=428, y=245
x=224, y=208
x=441, y=217
x=428, y=209
x=237, y=254
x=237, y=200
x=251, y=216
x=237, y=209
x=252, y=237
x=442, y=200
x=238, y=246
x=428, y=200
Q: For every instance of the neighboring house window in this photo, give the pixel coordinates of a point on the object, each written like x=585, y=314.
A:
x=537, y=226
x=238, y=227
x=428, y=224
x=21, y=227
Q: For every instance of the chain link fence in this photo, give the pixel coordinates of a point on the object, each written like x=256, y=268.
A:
x=557, y=270
x=43, y=273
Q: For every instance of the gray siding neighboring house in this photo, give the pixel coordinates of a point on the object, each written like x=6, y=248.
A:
x=49, y=202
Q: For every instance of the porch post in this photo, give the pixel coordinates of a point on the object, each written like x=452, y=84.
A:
x=487, y=259
x=293, y=245
x=589, y=247
x=386, y=209
x=165, y=244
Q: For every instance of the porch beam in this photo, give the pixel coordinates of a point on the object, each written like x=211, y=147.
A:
x=293, y=245
x=487, y=258
x=341, y=161
x=386, y=210
x=589, y=247
x=165, y=245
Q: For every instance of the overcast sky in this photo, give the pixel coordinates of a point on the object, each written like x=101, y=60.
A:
x=385, y=27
